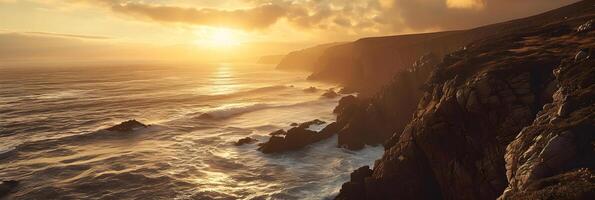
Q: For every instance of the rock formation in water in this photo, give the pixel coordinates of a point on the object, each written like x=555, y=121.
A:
x=246, y=140
x=297, y=137
x=330, y=93
x=311, y=89
x=510, y=116
x=127, y=126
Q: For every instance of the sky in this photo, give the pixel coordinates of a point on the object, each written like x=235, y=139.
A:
x=225, y=30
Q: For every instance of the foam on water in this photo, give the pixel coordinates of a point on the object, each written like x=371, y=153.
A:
x=51, y=136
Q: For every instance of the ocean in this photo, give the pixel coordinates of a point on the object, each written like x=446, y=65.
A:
x=52, y=138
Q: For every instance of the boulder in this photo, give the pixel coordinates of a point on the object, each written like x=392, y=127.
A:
x=127, y=126
x=311, y=89
x=329, y=130
x=246, y=140
x=307, y=124
x=296, y=137
x=330, y=94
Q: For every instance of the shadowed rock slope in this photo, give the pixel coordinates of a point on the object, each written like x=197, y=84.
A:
x=526, y=95
x=371, y=121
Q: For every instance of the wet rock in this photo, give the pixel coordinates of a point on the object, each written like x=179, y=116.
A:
x=7, y=187
x=246, y=140
x=361, y=173
x=331, y=129
x=347, y=90
x=307, y=124
x=355, y=188
x=127, y=126
x=296, y=138
x=311, y=89
x=278, y=132
x=586, y=27
x=330, y=94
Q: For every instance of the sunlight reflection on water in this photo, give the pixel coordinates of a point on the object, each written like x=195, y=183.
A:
x=56, y=141
x=223, y=80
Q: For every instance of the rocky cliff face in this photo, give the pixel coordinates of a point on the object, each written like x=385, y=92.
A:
x=370, y=63
x=526, y=94
x=553, y=158
x=371, y=121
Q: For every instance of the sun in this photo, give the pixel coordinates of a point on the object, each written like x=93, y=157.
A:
x=217, y=37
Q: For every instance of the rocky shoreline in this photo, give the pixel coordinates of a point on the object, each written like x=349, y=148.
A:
x=508, y=117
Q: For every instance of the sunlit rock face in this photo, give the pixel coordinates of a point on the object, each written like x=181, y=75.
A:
x=554, y=156
x=491, y=100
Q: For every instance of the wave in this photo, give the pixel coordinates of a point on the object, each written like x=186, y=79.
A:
x=92, y=136
x=248, y=92
x=233, y=110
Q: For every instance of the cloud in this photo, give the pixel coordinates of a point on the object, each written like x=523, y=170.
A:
x=355, y=17
x=68, y=35
x=466, y=4
x=419, y=15
x=252, y=18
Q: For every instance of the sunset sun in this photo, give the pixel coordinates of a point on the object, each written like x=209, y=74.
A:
x=297, y=99
x=217, y=37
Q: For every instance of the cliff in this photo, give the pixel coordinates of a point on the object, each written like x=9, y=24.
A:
x=510, y=116
x=305, y=59
x=369, y=63
x=270, y=60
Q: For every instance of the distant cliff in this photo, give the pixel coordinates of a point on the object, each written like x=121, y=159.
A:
x=305, y=59
x=369, y=63
x=509, y=116
x=270, y=60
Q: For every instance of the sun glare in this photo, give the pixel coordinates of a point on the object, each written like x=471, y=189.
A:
x=217, y=37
